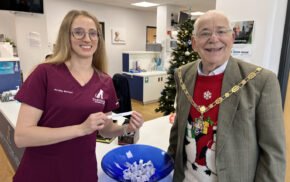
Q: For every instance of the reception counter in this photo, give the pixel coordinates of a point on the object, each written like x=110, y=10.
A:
x=154, y=132
x=8, y=117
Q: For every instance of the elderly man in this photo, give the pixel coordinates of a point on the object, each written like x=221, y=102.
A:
x=229, y=122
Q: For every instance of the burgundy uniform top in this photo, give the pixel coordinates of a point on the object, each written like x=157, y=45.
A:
x=64, y=102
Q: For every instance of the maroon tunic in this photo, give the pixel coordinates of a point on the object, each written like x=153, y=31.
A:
x=64, y=102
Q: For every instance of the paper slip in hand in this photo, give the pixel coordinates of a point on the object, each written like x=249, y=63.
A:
x=116, y=115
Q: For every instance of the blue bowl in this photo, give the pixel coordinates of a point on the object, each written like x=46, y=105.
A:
x=113, y=163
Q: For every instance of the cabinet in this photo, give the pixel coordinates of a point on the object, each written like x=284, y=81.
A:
x=7, y=140
x=146, y=87
x=144, y=60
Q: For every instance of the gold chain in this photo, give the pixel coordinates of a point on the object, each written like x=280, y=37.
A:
x=235, y=88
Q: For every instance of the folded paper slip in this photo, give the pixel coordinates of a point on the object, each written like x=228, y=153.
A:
x=114, y=115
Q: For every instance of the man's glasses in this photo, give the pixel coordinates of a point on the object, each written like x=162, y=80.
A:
x=207, y=34
x=80, y=33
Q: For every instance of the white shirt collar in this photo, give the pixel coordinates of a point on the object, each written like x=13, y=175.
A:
x=217, y=71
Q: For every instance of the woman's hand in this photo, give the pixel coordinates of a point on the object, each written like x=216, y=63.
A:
x=136, y=122
x=95, y=121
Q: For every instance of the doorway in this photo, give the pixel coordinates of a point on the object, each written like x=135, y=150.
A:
x=150, y=35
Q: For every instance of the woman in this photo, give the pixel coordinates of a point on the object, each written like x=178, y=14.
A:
x=64, y=103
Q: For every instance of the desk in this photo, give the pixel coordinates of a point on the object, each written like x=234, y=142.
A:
x=154, y=132
x=8, y=118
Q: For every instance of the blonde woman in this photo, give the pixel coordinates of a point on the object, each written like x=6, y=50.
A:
x=64, y=103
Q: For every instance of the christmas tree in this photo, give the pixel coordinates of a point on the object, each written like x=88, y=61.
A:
x=181, y=55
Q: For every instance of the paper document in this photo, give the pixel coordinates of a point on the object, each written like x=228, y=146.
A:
x=116, y=115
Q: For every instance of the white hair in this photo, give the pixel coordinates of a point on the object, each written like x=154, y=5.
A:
x=210, y=13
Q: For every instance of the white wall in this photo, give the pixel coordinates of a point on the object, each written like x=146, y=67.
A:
x=31, y=49
x=133, y=21
x=7, y=25
x=269, y=17
x=17, y=26
x=164, y=25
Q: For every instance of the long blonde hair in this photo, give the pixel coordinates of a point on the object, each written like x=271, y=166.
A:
x=62, y=49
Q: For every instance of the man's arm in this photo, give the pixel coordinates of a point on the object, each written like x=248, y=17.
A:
x=270, y=130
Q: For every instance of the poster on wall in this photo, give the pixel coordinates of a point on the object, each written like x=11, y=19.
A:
x=243, y=31
x=118, y=36
x=34, y=39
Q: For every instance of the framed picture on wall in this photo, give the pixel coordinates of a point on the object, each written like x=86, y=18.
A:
x=118, y=36
x=103, y=29
x=243, y=31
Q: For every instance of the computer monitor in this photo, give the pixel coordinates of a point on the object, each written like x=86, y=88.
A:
x=183, y=17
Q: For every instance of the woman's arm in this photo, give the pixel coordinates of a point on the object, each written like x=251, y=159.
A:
x=28, y=134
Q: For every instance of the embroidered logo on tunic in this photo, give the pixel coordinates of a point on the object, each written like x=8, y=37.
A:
x=100, y=94
x=99, y=97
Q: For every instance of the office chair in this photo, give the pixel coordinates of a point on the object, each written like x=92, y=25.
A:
x=122, y=88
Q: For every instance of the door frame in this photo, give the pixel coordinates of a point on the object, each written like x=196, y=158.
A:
x=284, y=67
x=147, y=34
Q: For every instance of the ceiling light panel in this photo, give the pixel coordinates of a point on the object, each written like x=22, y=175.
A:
x=144, y=4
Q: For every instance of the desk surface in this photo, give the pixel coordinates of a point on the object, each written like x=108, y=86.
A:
x=10, y=111
x=154, y=132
